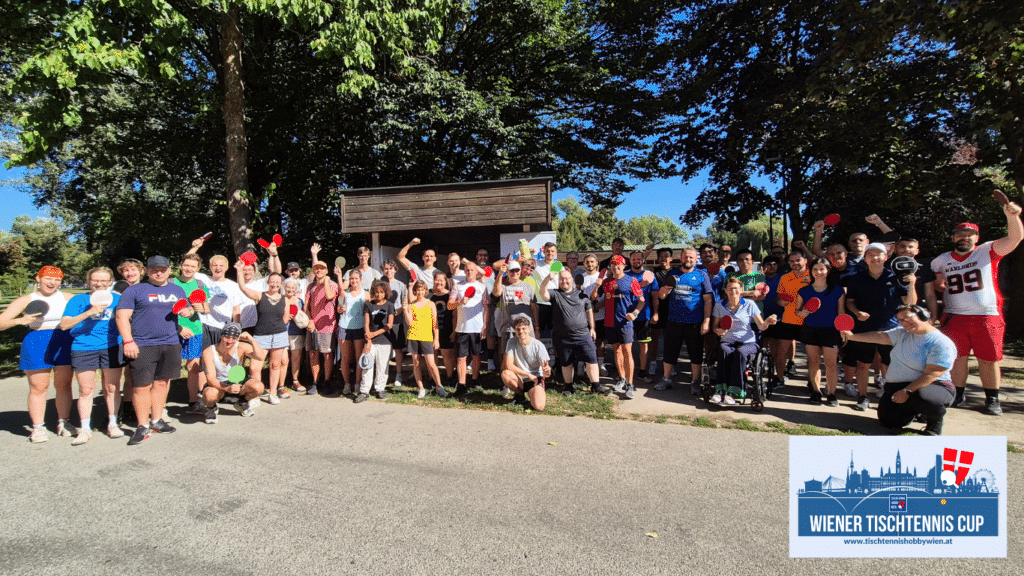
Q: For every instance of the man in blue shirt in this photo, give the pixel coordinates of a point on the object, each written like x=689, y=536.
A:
x=689, y=318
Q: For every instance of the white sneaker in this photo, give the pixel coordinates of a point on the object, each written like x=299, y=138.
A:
x=114, y=431
x=83, y=437
x=244, y=408
x=254, y=403
x=506, y=392
x=273, y=399
x=421, y=393
x=729, y=400
x=65, y=429
x=851, y=390
x=716, y=399
x=602, y=369
x=880, y=382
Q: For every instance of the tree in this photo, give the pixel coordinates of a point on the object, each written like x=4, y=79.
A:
x=651, y=228
x=44, y=242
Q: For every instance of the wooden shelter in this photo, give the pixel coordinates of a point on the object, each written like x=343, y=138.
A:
x=457, y=217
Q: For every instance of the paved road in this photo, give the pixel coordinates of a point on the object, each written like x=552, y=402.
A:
x=323, y=486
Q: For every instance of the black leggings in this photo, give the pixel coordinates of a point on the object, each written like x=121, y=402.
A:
x=930, y=401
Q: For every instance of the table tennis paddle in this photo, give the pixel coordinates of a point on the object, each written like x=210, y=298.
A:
x=340, y=262
x=198, y=296
x=608, y=285
x=293, y=309
x=832, y=219
x=263, y=243
x=556, y=267
x=236, y=374
x=179, y=306
x=714, y=268
x=412, y=275
x=101, y=298
x=120, y=286
x=36, y=307
x=670, y=281
x=579, y=280
x=726, y=322
x=812, y=305
x=1000, y=197
x=844, y=323
x=206, y=237
x=762, y=289
x=470, y=292
x=890, y=237
x=603, y=272
x=249, y=258
x=277, y=239
x=488, y=271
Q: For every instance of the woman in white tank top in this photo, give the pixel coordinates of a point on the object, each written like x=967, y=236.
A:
x=45, y=350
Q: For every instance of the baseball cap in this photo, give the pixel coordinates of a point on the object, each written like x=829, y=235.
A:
x=231, y=330
x=158, y=262
x=293, y=266
x=876, y=246
x=968, y=226
x=618, y=259
x=514, y=266
x=319, y=264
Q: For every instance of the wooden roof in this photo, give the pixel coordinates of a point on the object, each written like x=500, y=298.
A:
x=512, y=205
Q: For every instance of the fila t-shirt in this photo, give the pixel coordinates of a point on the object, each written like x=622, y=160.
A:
x=153, y=323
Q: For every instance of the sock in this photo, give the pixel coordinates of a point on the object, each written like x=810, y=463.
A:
x=63, y=422
x=989, y=393
x=111, y=421
x=86, y=424
x=152, y=422
x=38, y=426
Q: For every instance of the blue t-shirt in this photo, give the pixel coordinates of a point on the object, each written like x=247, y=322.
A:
x=717, y=281
x=686, y=302
x=912, y=352
x=92, y=333
x=879, y=298
x=740, y=331
x=645, y=312
x=621, y=301
x=153, y=322
x=771, y=305
x=825, y=317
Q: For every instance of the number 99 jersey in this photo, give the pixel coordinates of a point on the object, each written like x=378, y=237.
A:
x=972, y=286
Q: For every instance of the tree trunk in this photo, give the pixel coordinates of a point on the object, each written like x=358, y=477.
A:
x=236, y=176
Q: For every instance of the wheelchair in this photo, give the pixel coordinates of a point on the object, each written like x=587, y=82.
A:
x=757, y=385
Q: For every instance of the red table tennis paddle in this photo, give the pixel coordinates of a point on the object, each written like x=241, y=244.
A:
x=508, y=258
x=249, y=258
x=603, y=272
x=844, y=323
x=726, y=322
x=206, y=237
x=277, y=240
x=832, y=219
x=714, y=268
x=198, y=296
x=812, y=305
x=412, y=275
x=608, y=285
x=470, y=292
x=488, y=271
x=293, y=309
x=263, y=243
x=762, y=289
x=179, y=306
x=1000, y=197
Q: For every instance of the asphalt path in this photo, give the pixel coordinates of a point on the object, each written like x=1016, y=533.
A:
x=323, y=486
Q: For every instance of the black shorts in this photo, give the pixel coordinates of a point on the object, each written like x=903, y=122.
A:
x=420, y=347
x=599, y=329
x=468, y=344
x=529, y=384
x=569, y=353
x=397, y=336
x=620, y=334
x=675, y=334
x=847, y=357
x=864, y=352
x=783, y=331
x=826, y=337
x=544, y=316
x=155, y=363
x=642, y=330
x=445, y=340
x=97, y=359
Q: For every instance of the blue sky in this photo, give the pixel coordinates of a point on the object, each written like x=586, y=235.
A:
x=649, y=198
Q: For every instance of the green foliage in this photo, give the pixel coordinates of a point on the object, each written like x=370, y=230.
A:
x=45, y=242
x=580, y=230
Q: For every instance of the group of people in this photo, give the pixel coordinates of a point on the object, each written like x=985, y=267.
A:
x=490, y=315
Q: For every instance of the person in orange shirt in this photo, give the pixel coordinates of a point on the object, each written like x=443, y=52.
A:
x=788, y=331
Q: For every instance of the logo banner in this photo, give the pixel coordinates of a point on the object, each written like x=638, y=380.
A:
x=897, y=497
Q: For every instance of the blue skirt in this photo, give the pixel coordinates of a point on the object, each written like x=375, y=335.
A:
x=45, y=349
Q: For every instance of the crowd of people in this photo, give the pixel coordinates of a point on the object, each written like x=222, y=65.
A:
x=480, y=315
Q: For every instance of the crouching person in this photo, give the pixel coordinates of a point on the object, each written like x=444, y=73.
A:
x=233, y=348
x=526, y=365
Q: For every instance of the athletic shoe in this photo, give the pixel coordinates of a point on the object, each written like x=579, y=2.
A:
x=65, y=429
x=83, y=437
x=196, y=407
x=164, y=416
x=298, y=387
x=421, y=393
x=695, y=388
x=933, y=429
x=461, y=391
x=790, y=367
x=211, y=415
x=620, y=385
x=603, y=389
x=398, y=381
x=38, y=435
x=815, y=397
x=311, y=391
x=630, y=389
x=665, y=384
x=641, y=374
x=880, y=381
x=832, y=400
x=162, y=426
x=273, y=399
x=347, y=390
x=506, y=392
x=728, y=400
x=842, y=373
x=360, y=398
x=880, y=392
x=851, y=390
x=862, y=404
x=440, y=391
x=960, y=400
x=602, y=369
x=141, y=433
x=716, y=399
x=992, y=407
x=520, y=400
x=114, y=431
x=569, y=390
x=243, y=408
x=283, y=394
x=382, y=395
x=265, y=396
x=777, y=383
x=490, y=365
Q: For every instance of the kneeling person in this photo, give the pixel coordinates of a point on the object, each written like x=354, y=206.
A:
x=526, y=365
x=231, y=350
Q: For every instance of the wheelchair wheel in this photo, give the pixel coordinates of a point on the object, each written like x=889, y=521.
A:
x=761, y=375
x=705, y=385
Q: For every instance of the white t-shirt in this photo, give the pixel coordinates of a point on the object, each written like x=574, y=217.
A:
x=588, y=286
x=369, y=275
x=224, y=296
x=539, y=274
x=971, y=281
x=471, y=315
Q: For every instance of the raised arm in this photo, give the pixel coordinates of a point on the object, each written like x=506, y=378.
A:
x=404, y=252
x=1014, y=230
